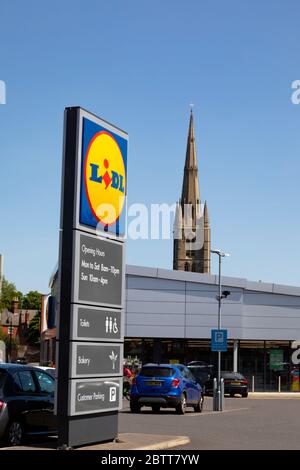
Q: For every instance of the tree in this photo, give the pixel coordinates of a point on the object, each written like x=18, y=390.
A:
x=9, y=292
x=33, y=333
x=32, y=300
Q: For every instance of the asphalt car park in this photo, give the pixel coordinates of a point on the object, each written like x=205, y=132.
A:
x=259, y=423
x=249, y=424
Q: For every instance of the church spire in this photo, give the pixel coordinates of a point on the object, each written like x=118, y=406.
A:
x=190, y=187
x=192, y=249
x=190, y=158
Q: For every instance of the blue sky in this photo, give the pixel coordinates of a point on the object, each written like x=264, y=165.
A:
x=139, y=64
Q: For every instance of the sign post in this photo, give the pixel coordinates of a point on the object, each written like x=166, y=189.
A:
x=219, y=345
x=91, y=280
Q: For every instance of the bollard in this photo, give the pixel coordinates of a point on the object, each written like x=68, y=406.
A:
x=222, y=396
x=279, y=384
x=218, y=399
x=252, y=383
x=215, y=395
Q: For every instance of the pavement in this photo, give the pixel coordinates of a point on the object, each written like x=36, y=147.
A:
x=276, y=395
x=133, y=441
x=125, y=441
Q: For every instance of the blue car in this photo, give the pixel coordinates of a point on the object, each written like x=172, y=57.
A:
x=166, y=386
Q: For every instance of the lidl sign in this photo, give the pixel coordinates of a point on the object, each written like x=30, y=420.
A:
x=92, y=279
x=103, y=177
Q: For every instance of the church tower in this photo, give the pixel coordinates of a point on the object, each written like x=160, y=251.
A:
x=191, y=226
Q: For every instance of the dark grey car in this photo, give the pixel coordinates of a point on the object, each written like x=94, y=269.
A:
x=26, y=403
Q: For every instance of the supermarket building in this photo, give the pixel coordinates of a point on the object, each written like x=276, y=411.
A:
x=169, y=316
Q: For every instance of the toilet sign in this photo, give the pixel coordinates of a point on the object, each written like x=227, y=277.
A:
x=92, y=280
x=96, y=324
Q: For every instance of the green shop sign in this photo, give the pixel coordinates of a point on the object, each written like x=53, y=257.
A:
x=276, y=359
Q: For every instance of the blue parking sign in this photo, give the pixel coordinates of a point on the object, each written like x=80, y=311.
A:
x=219, y=340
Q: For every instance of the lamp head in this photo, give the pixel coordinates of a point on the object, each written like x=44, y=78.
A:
x=225, y=293
x=219, y=253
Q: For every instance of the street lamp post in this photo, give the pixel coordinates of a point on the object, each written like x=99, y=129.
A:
x=219, y=298
x=10, y=332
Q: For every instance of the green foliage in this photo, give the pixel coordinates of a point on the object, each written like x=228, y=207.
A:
x=9, y=291
x=33, y=334
x=32, y=300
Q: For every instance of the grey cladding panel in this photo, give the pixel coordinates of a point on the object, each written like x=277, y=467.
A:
x=265, y=320
x=157, y=295
x=212, y=309
x=247, y=314
x=210, y=296
x=260, y=286
x=155, y=307
x=155, y=332
x=155, y=319
x=289, y=290
x=212, y=321
x=205, y=332
x=140, y=271
x=260, y=299
x=183, y=276
x=154, y=284
x=270, y=312
x=234, y=282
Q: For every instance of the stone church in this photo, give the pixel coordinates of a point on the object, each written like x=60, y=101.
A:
x=191, y=226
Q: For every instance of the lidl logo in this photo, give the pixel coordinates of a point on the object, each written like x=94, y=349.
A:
x=103, y=177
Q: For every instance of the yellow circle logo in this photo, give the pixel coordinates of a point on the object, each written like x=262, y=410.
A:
x=105, y=178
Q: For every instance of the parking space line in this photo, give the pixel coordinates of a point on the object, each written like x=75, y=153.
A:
x=204, y=413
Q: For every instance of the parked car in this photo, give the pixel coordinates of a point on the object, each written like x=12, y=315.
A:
x=21, y=360
x=49, y=370
x=201, y=371
x=166, y=386
x=198, y=363
x=234, y=383
x=26, y=403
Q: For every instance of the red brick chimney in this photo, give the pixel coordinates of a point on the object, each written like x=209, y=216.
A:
x=15, y=305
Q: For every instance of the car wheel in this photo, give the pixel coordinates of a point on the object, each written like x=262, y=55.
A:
x=244, y=395
x=155, y=408
x=135, y=408
x=199, y=407
x=181, y=407
x=14, y=433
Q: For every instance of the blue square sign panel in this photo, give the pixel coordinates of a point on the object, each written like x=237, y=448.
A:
x=219, y=340
x=103, y=178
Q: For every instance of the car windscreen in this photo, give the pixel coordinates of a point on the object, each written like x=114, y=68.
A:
x=157, y=372
x=199, y=373
x=232, y=376
x=3, y=375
